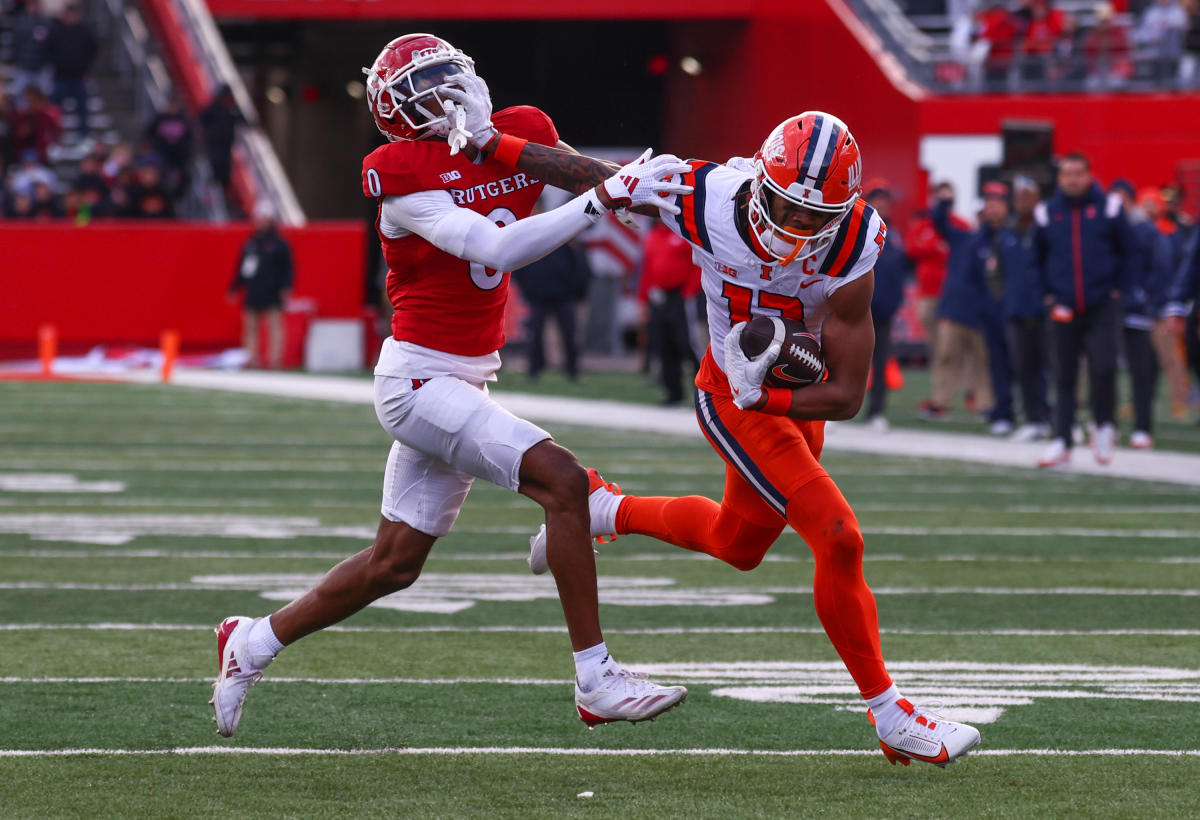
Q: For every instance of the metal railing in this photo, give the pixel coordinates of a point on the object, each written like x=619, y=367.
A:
x=252, y=146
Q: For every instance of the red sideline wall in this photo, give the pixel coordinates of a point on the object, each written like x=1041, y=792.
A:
x=124, y=283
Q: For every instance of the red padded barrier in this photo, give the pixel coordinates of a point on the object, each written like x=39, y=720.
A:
x=119, y=283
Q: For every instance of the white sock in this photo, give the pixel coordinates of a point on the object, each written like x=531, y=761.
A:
x=261, y=644
x=588, y=663
x=602, y=505
x=887, y=711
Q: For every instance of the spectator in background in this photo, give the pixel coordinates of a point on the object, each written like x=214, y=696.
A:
x=892, y=269
x=1172, y=194
x=930, y=252
x=91, y=192
x=264, y=277
x=170, y=136
x=1167, y=345
x=1025, y=312
x=1144, y=301
x=19, y=206
x=1162, y=30
x=1107, y=57
x=1183, y=303
x=8, y=146
x=146, y=197
x=30, y=173
x=29, y=31
x=220, y=121
x=990, y=264
x=70, y=50
x=959, y=355
x=46, y=203
x=1044, y=38
x=1087, y=254
x=998, y=27
x=552, y=288
x=38, y=125
x=669, y=279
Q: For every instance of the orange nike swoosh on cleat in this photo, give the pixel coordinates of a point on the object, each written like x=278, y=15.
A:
x=896, y=756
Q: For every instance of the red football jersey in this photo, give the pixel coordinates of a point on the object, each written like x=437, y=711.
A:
x=443, y=302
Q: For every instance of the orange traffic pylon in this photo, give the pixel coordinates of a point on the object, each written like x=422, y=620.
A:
x=893, y=375
x=169, y=345
x=47, y=347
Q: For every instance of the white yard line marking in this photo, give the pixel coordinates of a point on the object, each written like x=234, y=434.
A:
x=616, y=581
x=641, y=557
x=557, y=751
x=55, y=483
x=555, y=630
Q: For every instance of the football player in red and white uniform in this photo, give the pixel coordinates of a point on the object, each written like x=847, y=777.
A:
x=783, y=234
x=452, y=222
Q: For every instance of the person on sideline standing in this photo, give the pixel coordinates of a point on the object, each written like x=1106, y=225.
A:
x=1087, y=253
x=264, y=276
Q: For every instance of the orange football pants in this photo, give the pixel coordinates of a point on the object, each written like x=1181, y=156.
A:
x=773, y=477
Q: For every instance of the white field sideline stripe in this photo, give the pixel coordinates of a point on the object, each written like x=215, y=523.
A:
x=183, y=587
x=556, y=751
x=556, y=630
x=1011, y=687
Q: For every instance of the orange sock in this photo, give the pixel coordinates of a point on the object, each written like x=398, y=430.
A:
x=843, y=601
x=698, y=524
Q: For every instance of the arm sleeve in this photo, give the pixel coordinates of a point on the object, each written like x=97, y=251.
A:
x=940, y=215
x=463, y=233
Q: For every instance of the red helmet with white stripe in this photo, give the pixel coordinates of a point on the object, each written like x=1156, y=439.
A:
x=809, y=161
x=405, y=79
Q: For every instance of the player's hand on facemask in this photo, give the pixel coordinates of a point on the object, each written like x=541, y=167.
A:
x=746, y=374
x=469, y=112
x=646, y=181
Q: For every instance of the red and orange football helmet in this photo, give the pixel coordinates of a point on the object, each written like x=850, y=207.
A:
x=405, y=77
x=809, y=161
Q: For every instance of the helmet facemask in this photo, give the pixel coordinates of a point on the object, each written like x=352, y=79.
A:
x=787, y=244
x=413, y=94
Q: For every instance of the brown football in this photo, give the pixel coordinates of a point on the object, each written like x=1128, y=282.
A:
x=800, y=361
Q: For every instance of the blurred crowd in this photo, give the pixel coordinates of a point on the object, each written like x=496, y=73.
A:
x=49, y=171
x=1013, y=302
x=1032, y=44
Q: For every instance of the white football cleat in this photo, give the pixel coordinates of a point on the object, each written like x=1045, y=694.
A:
x=1104, y=442
x=1056, y=454
x=878, y=424
x=600, y=493
x=927, y=736
x=236, y=673
x=624, y=695
x=1141, y=440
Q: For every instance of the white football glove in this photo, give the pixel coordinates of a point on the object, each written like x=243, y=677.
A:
x=645, y=181
x=469, y=109
x=745, y=374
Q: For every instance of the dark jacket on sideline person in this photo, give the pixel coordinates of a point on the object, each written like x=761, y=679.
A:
x=961, y=295
x=892, y=269
x=1023, y=297
x=264, y=270
x=1086, y=248
x=1147, y=295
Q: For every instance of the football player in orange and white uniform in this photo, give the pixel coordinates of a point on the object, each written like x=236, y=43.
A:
x=784, y=234
x=452, y=222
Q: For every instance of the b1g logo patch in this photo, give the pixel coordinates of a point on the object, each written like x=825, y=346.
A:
x=450, y=176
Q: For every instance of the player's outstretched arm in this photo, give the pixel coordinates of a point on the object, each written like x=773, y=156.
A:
x=468, y=235
x=847, y=340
